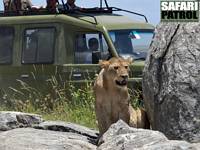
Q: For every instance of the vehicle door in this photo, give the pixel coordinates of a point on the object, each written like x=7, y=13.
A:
x=7, y=71
x=38, y=51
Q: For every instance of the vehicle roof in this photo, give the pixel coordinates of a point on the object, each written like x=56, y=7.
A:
x=115, y=21
x=108, y=20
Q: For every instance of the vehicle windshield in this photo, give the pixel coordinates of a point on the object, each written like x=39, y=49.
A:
x=134, y=43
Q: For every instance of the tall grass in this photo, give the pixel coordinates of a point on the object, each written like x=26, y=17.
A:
x=58, y=101
x=65, y=102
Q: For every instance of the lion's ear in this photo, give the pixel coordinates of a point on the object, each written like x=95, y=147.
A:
x=104, y=63
x=130, y=60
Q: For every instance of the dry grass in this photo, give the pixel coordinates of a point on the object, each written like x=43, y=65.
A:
x=60, y=102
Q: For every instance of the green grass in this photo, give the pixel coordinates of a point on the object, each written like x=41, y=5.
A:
x=79, y=115
x=59, y=102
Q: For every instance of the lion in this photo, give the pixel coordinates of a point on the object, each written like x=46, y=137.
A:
x=112, y=97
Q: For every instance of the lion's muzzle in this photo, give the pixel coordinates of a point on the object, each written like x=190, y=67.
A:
x=123, y=81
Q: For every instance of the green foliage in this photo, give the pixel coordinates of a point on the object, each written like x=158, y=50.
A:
x=60, y=101
x=136, y=98
x=66, y=102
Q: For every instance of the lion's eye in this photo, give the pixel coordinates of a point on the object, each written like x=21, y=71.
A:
x=116, y=67
x=126, y=67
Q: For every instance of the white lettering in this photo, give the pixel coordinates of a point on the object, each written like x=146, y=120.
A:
x=196, y=6
x=179, y=6
x=164, y=5
x=183, y=6
x=171, y=6
x=190, y=5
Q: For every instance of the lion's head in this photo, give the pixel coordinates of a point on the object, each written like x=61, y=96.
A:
x=116, y=70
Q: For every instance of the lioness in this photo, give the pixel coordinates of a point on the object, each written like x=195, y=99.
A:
x=112, y=97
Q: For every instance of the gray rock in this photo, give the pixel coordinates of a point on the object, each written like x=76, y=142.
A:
x=122, y=137
x=57, y=135
x=171, y=81
x=69, y=127
x=11, y=120
x=34, y=139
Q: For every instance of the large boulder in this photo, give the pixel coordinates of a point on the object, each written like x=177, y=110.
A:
x=22, y=131
x=11, y=120
x=34, y=139
x=122, y=137
x=171, y=81
x=61, y=126
x=57, y=135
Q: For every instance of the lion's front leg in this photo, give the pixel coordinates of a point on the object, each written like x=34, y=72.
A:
x=124, y=114
x=103, y=117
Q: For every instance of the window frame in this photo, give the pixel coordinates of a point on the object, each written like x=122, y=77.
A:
x=23, y=45
x=100, y=46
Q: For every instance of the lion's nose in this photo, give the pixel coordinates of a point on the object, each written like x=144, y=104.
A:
x=125, y=77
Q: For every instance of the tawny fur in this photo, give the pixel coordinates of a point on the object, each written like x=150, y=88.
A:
x=138, y=118
x=112, y=100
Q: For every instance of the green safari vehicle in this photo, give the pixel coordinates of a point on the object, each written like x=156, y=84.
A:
x=39, y=45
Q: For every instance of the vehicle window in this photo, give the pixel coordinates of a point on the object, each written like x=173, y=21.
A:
x=38, y=45
x=134, y=43
x=6, y=44
x=90, y=48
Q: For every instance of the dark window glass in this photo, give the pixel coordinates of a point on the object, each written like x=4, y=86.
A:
x=90, y=48
x=38, y=45
x=132, y=43
x=6, y=44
